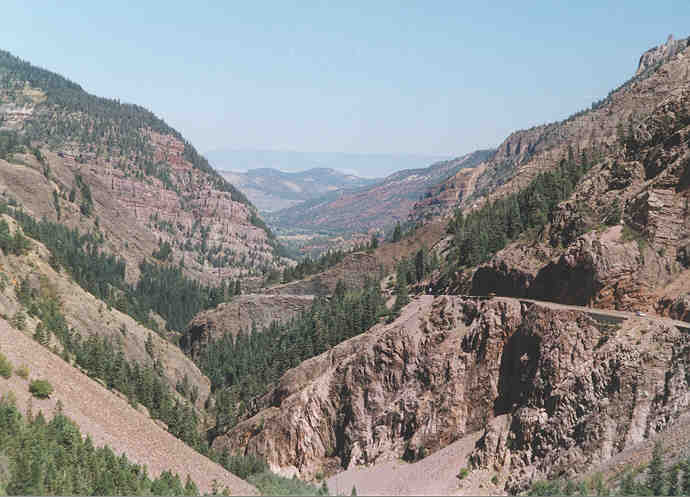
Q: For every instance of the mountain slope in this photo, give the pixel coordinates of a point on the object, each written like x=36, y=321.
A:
x=272, y=190
x=619, y=238
x=91, y=162
x=105, y=416
x=371, y=208
x=526, y=153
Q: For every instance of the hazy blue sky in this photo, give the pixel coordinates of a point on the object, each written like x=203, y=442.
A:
x=435, y=78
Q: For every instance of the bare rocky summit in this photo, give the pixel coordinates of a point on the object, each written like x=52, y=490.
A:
x=657, y=55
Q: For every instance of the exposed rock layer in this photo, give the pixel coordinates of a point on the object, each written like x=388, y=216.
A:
x=555, y=391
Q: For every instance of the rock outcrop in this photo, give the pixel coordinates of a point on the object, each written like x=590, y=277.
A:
x=240, y=314
x=553, y=391
x=657, y=55
x=576, y=394
x=353, y=271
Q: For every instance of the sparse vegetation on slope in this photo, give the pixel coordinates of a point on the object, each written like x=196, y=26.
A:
x=653, y=479
x=108, y=123
x=483, y=232
x=105, y=360
x=161, y=288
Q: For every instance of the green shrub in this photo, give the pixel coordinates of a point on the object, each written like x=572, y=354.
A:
x=5, y=366
x=40, y=389
x=540, y=488
x=494, y=479
x=19, y=321
x=23, y=371
x=243, y=466
x=271, y=484
x=463, y=473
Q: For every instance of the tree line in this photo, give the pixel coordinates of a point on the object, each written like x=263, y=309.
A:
x=309, y=266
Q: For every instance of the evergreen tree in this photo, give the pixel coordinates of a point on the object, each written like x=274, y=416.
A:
x=401, y=294
x=686, y=477
x=672, y=480
x=655, y=471
x=397, y=233
x=420, y=269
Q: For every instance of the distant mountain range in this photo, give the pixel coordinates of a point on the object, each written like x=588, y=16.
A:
x=363, y=165
x=376, y=206
x=271, y=190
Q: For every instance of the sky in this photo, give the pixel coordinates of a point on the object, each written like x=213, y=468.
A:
x=434, y=78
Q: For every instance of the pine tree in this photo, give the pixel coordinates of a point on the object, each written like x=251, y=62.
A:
x=401, y=294
x=397, y=233
x=420, y=269
x=672, y=480
x=655, y=471
x=686, y=477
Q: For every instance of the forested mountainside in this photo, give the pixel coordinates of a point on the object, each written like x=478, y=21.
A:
x=98, y=164
x=272, y=190
x=372, y=208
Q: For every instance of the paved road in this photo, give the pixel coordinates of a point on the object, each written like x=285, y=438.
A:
x=595, y=312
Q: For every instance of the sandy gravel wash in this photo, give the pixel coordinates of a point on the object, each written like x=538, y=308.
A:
x=433, y=475
x=107, y=418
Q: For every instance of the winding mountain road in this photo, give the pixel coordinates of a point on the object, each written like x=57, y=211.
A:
x=602, y=314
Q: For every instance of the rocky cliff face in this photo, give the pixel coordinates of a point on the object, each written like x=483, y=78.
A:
x=240, y=314
x=552, y=391
x=575, y=394
x=657, y=55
